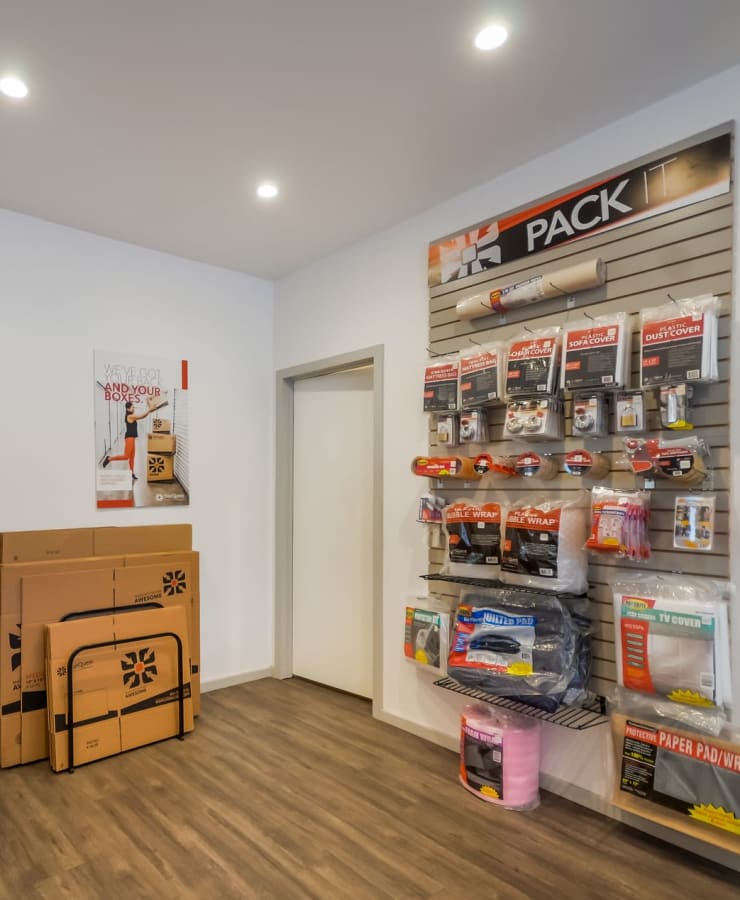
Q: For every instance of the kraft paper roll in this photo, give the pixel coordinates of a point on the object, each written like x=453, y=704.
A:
x=569, y=280
x=460, y=467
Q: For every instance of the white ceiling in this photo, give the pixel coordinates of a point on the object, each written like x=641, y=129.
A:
x=152, y=121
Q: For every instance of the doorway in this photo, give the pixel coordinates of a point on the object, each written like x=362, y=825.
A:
x=328, y=617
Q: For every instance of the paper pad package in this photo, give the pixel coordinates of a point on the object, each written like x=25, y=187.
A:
x=500, y=756
x=543, y=544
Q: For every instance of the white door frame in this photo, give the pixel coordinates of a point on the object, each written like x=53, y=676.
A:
x=286, y=379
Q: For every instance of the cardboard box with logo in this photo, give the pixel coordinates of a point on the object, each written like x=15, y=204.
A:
x=161, y=443
x=161, y=426
x=124, y=695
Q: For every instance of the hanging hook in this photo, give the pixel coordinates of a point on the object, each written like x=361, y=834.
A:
x=588, y=315
x=486, y=306
x=432, y=353
x=527, y=328
x=477, y=343
x=559, y=289
x=672, y=299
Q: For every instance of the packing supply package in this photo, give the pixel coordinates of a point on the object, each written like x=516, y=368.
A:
x=426, y=635
x=544, y=544
x=619, y=523
x=532, y=363
x=675, y=406
x=535, y=466
x=534, y=418
x=678, y=341
x=672, y=643
x=500, y=756
x=502, y=466
x=523, y=644
x=481, y=375
x=445, y=467
x=474, y=538
x=448, y=430
x=441, y=382
x=596, y=353
x=678, y=778
x=590, y=415
x=684, y=460
x=693, y=522
x=584, y=464
x=473, y=426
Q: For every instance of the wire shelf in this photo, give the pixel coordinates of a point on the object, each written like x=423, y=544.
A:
x=578, y=718
x=495, y=583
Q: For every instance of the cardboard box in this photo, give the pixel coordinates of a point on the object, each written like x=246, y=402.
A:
x=37, y=546
x=11, y=578
x=125, y=695
x=46, y=599
x=187, y=557
x=161, y=443
x=160, y=467
x=114, y=541
x=161, y=426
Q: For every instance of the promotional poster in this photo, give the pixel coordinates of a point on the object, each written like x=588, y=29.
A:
x=141, y=431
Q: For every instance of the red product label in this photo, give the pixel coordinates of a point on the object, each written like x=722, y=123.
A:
x=534, y=519
x=682, y=328
x=536, y=349
x=476, y=363
x=437, y=466
x=461, y=512
x=600, y=336
x=445, y=372
x=698, y=748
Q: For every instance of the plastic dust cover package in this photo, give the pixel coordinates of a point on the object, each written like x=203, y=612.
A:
x=523, y=644
x=619, y=523
x=678, y=341
x=474, y=538
x=532, y=363
x=481, y=374
x=500, y=756
x=596, y=353
x=441, y=380
x=543, y=544
x=673, y=644
x=678, y=778
x=426, y=635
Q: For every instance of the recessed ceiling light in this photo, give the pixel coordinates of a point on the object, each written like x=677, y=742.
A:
x=267, y=190
x=13, y=87
x=491, y=37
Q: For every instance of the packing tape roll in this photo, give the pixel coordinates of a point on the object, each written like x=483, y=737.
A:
x=460, y=467
x=570, y=280
x=586, y=465
x=532, y=465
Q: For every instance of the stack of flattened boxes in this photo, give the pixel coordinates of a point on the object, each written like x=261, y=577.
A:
x=49, y=577
x=161, y=449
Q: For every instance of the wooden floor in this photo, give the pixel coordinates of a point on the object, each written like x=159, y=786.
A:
x=289, y=790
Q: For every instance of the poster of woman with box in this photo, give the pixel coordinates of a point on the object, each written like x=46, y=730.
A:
x=129, y=390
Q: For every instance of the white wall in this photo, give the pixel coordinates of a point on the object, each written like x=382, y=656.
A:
x=63, y=294
x=375, y=292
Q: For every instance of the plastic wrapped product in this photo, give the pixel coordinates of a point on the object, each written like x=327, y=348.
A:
x=596, y=353
x=693, y=522
x=538, y=468
x=441, y=382
x=500, y=756
x=448, y=430
x=532, y=363
x=675, y=406
x=474, y=538
x=485, y=464
x=673, y=649
x=685, y=461
x=619, y=523
x=543, y=544
x=481, y=374
x=473, y=426
x=444, y=467
x=629, y=414
x=678, y=341
x=426, y=635
x=586, y=465
x=534, y=418
x=590, y=415
x=522, y=644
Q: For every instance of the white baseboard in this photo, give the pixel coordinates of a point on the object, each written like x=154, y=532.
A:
x=215, y=684
x=428, y=734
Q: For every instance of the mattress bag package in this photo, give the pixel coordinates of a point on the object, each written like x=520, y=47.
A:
x=679, y=778
x=543, y=545
x=673, y=649
x=527, y=645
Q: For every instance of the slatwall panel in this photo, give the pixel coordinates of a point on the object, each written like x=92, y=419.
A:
x=682, y=253
x=180, y=427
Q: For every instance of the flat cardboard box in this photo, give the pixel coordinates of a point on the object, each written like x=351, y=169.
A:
x=161, y=443
x=161, y=426
x=11, y=578
x=46, y=599
x=122, y=541
x=125, y=695
x=37, y=546
x=664, y=815
x=187, y=557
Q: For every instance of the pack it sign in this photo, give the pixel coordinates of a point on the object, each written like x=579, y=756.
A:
x=669, y=181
